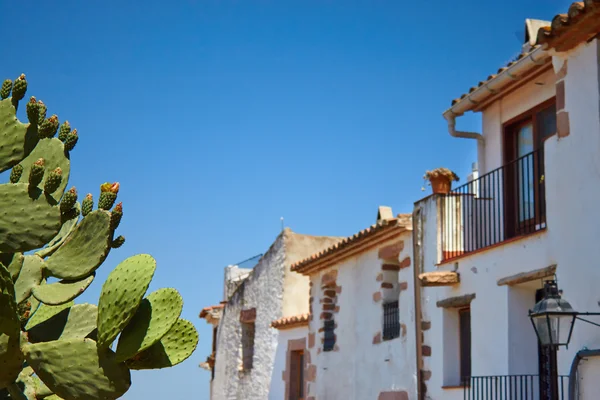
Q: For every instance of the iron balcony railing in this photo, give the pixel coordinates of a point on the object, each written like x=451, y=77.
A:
x=514, y=387
x=391, y=320
x=503, y=204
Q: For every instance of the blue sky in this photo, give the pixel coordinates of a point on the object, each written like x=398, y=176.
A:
x=220, y=117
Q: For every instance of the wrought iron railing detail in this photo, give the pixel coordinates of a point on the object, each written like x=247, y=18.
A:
x=391, y=320
x=503, y=204
x=514, y=387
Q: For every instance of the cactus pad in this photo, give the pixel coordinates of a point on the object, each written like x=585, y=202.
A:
x=11, y=358
x=153, y=319
x=53, y=153
x=13, y=263
x=81, y=321
x=27, y=220
x=61, y=292
x=175, y=347
x=44, y=313
x=17, y=139
x=30, y=276
x=85, y=248
x=76, y=369
x=9, y=319
x=121, y=295
x=65, y=230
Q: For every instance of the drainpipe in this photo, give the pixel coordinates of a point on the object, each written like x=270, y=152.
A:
x=581, y=354
x=450, y=117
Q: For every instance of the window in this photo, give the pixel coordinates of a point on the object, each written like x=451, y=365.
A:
x=214, y=353
x=524, y=159
x=329, y=335
x=465, y=342
x=247, y=345
x=391, y=320
x=296, y=375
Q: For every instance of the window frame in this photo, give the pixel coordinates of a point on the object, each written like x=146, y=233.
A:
x=462, y=345
x=391, y=326
x=248, y=345
x=296, y=390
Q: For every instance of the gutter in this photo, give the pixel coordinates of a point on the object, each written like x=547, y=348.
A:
x=573, y=372
x=491, y=87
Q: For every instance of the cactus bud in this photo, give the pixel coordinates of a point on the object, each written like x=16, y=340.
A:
x=16, y=173
x=19, y=88
x=117, y=242
x=53, y=181
x=64, y=131
x=108, y=195
x=41, y=112
x=33, y=111
x=69, y=199
x=116, y=215
x=48, y=127
x=36, y=174
x=87, y=204
x=71, y=140
x=6, y=88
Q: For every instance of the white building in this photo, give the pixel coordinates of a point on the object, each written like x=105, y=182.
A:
x=361, y=334
x=245, y=343
x=483, y=251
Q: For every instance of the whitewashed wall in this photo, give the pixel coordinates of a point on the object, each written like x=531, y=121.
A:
x=277, y=390
x=358, y=368
x=503, y=340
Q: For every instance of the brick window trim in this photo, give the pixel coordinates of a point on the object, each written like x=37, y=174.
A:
x=295, y=345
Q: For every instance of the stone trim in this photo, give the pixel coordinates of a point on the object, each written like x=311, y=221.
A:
x=393, y=395
x=527, y=276
x=329, y=305
x=562, y=116
x=456, y=301
x=439, y=278
x=295, y=345
x=248, y=316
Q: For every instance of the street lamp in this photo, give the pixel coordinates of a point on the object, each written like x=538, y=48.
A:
x=553, y=318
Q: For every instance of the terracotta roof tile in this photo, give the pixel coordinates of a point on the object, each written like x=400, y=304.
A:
x=291, y=322
x=206, y=310
x=581, y=22
x=402, y=221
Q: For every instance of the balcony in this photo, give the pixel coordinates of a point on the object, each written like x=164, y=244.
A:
x=501, y=205
x=516, y=387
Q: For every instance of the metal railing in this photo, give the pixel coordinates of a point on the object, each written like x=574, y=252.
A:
x=502, y=204
x=514, y=387
x=391, y=320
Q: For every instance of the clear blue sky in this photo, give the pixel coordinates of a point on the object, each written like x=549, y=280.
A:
x=219, y=117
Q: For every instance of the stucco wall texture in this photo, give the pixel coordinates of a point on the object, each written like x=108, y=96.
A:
x=271, y=291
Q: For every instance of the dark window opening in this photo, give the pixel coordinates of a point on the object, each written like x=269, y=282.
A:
x=247, y=345
x=391, y=320
x=329, y=335
x=465, y=343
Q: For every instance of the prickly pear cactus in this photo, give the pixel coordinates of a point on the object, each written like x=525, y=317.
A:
x=51, y=347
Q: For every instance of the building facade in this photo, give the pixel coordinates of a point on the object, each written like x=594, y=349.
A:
x=483, y=251
x=246, y=343
x=361, y=328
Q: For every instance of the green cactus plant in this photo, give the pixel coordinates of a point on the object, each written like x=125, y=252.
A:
x=50, y=248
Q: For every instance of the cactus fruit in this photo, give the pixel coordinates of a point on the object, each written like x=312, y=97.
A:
x=69, y=199
x=19, y=88
x=118, y=242
x=47, y=343
x=64, y=131
x=71, y=140
x=87, y=204
x=48, y=127
x=36, y=173
x=116, y=215
x=53, y=180
x=15, y=173
x=6, y=88
x=108, y=195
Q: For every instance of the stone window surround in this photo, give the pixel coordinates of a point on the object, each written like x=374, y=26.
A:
x=247, y=317
x=329, y=299
x=296, y=345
